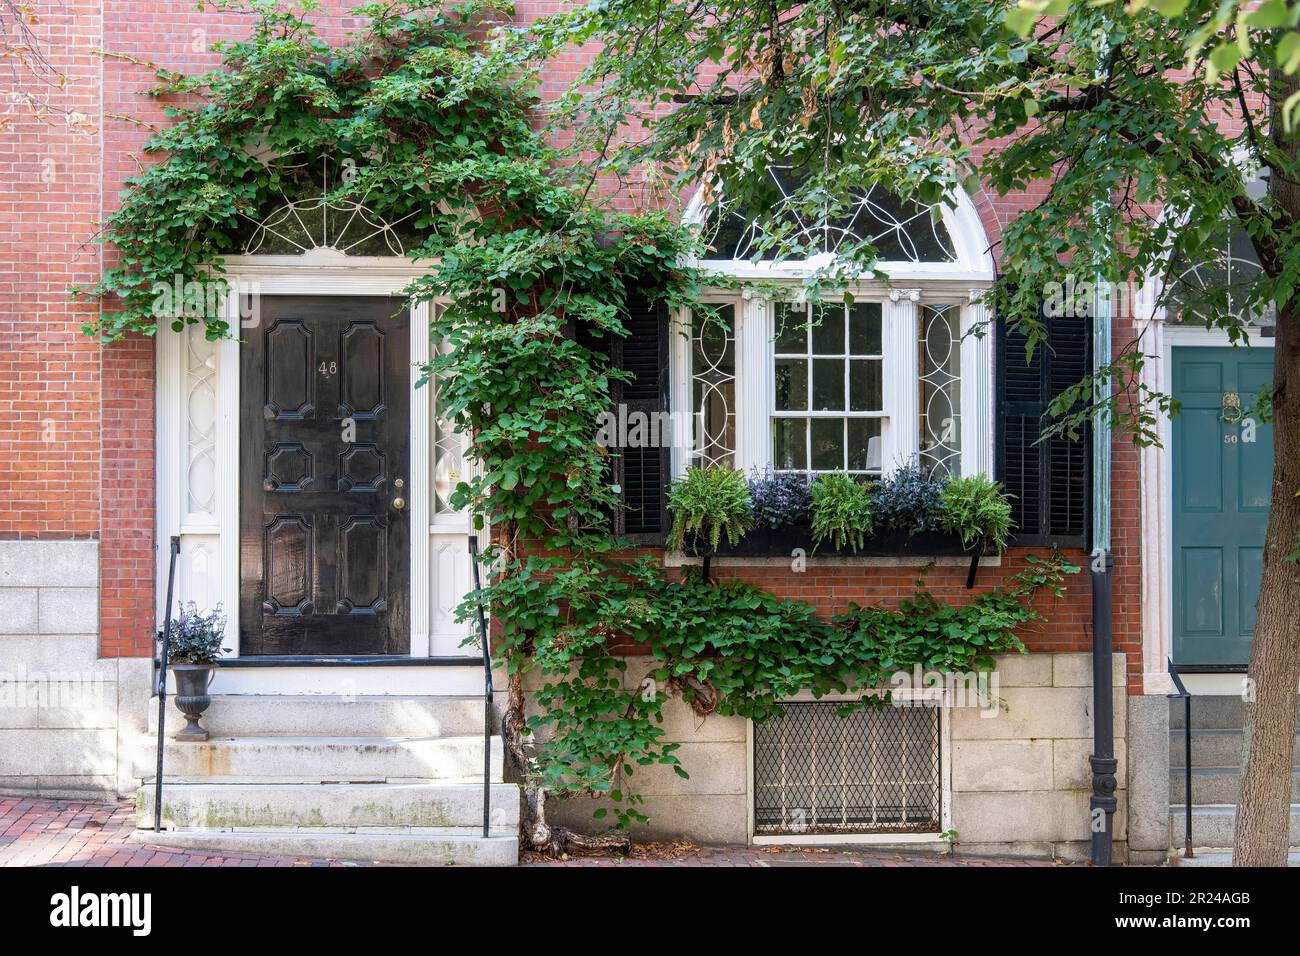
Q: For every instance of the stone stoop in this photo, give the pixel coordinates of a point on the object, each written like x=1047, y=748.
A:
x=1217, y=742
x=382, y=779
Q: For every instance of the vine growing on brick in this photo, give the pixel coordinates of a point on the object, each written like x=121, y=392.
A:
x=520, y=255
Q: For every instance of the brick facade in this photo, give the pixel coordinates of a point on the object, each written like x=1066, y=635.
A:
x=77, y=452
x=50, y=374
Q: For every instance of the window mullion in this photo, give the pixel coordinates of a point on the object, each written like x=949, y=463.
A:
x=848, y=397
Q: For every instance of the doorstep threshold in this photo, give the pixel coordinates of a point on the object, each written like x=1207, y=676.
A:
x=1210, y=668
x=347, y=660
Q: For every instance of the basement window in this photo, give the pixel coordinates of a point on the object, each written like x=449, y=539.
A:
x=873, y=771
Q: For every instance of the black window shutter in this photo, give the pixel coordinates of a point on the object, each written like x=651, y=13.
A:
x=603, y=344
x=1050, y=480
x=641, y=473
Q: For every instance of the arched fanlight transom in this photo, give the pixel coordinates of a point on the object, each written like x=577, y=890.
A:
x=307, y=215
x=899, y=230
x=1198, y=291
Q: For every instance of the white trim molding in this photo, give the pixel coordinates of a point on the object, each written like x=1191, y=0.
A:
x=209, y=566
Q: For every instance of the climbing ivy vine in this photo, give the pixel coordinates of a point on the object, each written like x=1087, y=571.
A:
x=520, y=254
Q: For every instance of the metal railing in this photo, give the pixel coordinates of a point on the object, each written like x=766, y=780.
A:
x=1185, y=696
x=487, y=687
x=160, y=683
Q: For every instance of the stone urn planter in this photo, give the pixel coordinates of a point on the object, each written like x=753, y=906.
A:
x=191, y=647
x=192, y=683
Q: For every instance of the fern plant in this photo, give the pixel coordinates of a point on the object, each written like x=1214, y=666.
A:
x=975, y=508
x=710, y=502
x=841, y=510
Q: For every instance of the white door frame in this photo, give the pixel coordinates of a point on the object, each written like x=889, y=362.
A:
x=1158, y=340
x=210, y=542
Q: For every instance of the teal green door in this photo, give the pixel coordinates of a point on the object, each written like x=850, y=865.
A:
x=1223, y=471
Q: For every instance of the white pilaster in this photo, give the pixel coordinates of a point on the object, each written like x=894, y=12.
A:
x=228, y=488
x=977, y=426
x=421, y=482
x=754, y=382
x=1157, y=537
x=680, y=393
x=902, y=437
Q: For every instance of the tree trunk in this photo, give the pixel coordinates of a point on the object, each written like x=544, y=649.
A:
x=1263, y=809
x=535, y=833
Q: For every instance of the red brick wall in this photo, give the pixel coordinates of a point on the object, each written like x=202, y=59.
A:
x=49, y=372
x=77, y=446
x=127, y=528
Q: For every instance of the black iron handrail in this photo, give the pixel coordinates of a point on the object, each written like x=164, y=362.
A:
x=164, y=653
x=487, y=686
x=1185, y=696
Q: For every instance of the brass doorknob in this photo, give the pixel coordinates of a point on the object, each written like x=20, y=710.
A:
x=399, y=503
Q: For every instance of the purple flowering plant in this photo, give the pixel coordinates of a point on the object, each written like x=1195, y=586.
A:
x=779, y=498
x=909, y=500
x=196, y=636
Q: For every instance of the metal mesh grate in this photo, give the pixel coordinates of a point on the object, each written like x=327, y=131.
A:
x=875, y=771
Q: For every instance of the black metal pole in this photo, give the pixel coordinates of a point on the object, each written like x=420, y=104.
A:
x=1103, y=762
x=163, y=655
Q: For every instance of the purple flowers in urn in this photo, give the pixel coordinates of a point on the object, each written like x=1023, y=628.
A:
x=194, y=646
x=197, y=636
x=779, y=498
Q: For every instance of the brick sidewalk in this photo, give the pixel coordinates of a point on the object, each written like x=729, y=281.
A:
x=80, y=833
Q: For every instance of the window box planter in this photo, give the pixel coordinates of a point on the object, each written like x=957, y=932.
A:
x=780, y=542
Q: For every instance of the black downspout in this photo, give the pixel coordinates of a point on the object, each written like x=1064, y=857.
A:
x=1103, y=762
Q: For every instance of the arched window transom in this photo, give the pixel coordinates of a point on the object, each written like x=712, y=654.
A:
x=899, y=230
x=306, y=215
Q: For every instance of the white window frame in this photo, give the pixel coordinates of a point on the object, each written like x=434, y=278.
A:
x=810, y=414
x=905, y=288
x=900, y=431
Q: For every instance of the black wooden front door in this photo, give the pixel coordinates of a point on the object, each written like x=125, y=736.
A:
x=324, y=434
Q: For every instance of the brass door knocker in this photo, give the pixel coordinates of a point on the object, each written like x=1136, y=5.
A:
x=1231, y=408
